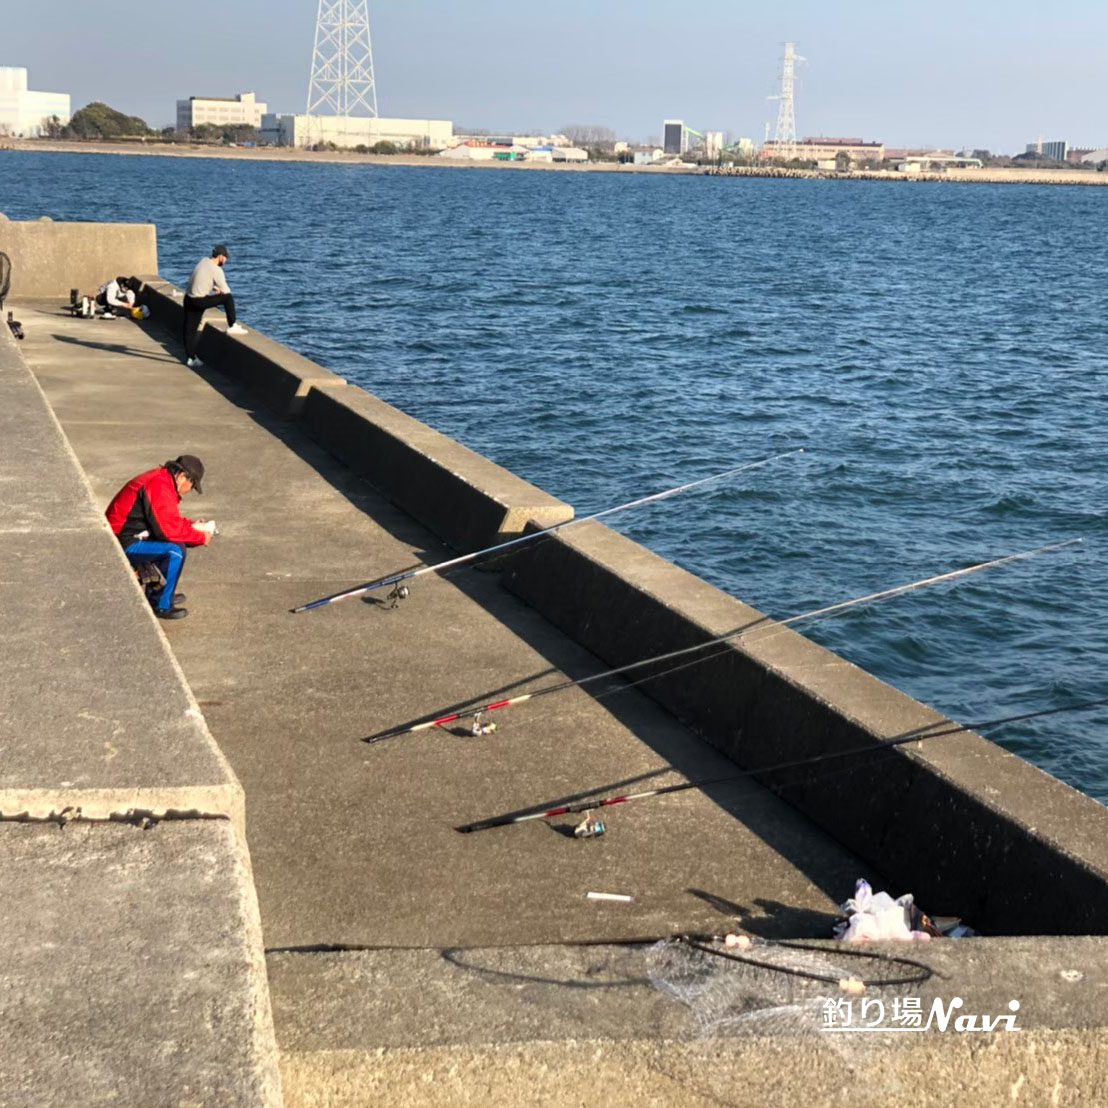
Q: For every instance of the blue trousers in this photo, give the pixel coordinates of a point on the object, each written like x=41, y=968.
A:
x=169, y=557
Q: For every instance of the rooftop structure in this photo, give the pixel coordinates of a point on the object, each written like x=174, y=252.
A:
x=23, y=112
x=243, y=110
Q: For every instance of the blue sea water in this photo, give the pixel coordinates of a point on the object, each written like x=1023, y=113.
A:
x=940, y=351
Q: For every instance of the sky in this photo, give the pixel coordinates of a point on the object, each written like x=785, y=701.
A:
x=976, y=73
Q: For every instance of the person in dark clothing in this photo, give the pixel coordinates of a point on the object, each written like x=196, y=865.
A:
x=145, y=516
x=208, y=288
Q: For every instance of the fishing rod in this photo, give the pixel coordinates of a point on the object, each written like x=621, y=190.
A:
x=930, y=731
x=397, y=579
x=754, y=627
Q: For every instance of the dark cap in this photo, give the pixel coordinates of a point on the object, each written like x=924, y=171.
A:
x=220, y=249
x=192, y=467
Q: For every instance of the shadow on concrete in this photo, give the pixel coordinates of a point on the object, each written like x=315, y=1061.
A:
x=770, y=919
x=113, y=348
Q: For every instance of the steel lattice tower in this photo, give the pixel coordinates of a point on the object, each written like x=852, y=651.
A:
x=342, y=64
x=784, y=138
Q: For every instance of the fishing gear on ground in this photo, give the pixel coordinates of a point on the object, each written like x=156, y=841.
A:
x=919, y=734
x=761, y=627
x=531, y=536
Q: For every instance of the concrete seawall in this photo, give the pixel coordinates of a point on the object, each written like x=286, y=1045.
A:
x=963, y=823
x=773, y=697
x=49, y=259
x=410, y=964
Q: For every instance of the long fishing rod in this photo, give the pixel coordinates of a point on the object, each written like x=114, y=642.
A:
x=918, y=735
x=754, y=627
x=463, y=559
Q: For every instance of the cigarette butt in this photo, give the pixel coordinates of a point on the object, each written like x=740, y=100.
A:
x=619, y=897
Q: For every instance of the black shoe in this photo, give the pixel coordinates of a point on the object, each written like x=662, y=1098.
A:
x=152, y=595
x=172, y=613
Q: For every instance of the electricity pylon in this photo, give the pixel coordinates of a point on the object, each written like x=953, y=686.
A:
x=342, y=64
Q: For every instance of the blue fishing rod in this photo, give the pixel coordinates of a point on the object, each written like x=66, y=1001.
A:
x=398, y=579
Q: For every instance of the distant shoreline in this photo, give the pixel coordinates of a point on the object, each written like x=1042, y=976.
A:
x=289, y=155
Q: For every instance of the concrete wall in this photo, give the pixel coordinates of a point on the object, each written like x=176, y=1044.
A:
x=461, y=496
x=973, y=831
x=49, y=259
x=970, y=829
x=131, y=970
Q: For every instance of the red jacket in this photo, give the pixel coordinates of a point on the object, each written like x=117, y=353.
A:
x=151, y=502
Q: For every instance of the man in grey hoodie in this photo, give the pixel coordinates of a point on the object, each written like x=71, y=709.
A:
x=208, y=288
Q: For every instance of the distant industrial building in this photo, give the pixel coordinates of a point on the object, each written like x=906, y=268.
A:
x=827, y=149
x=23, y=113
x=482, y=150
x=675, y=136
x=243, y=110
x=350, y=131
x=1056, y=151
x=1096, y=157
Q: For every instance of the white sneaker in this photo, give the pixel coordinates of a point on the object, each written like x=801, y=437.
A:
x=194, y=363
x=237, y=329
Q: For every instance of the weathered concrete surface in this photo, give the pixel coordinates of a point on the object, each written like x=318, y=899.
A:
x=772, y=696
x=596, y=1025
x=354, y=843
x=131, y=969
x=98, y=717
x=49, y=259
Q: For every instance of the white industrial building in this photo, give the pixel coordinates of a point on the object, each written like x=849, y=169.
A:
x=23, y=113
x=351, y=131
x=243, y=110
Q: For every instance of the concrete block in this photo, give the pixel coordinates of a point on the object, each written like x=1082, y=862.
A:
x=548, y=1025
x=998, y=830
x=98, y=719
x=49, y=259
x=462, y=497
x=131, y=971
x=165, y=302
x=276, y=375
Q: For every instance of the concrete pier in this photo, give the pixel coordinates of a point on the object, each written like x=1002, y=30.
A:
x=408, y=964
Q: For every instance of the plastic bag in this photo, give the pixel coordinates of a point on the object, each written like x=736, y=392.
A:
x=873, y=916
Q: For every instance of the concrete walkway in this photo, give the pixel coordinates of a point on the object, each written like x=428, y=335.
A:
x=354, y=844
x=472, y=990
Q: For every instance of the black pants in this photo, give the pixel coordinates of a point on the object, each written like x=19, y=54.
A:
x=194, y=312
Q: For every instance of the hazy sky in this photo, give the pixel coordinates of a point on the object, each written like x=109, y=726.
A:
x=992, y=73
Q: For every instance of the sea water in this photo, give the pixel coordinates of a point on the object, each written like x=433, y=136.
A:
x=939, y=350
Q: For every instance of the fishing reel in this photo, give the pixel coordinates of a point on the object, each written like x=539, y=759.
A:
x=401, y=592
x=478, y=728
x=589, y=828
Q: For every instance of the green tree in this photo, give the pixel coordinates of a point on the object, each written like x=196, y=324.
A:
x=99, y=121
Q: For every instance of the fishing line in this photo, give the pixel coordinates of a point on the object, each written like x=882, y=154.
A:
x=763, y=627
x=937, y=730
x=398, y=578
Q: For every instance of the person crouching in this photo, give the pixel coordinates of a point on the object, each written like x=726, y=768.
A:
x=145, y=516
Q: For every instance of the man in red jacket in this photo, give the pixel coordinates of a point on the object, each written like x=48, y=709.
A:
x=145, y=516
